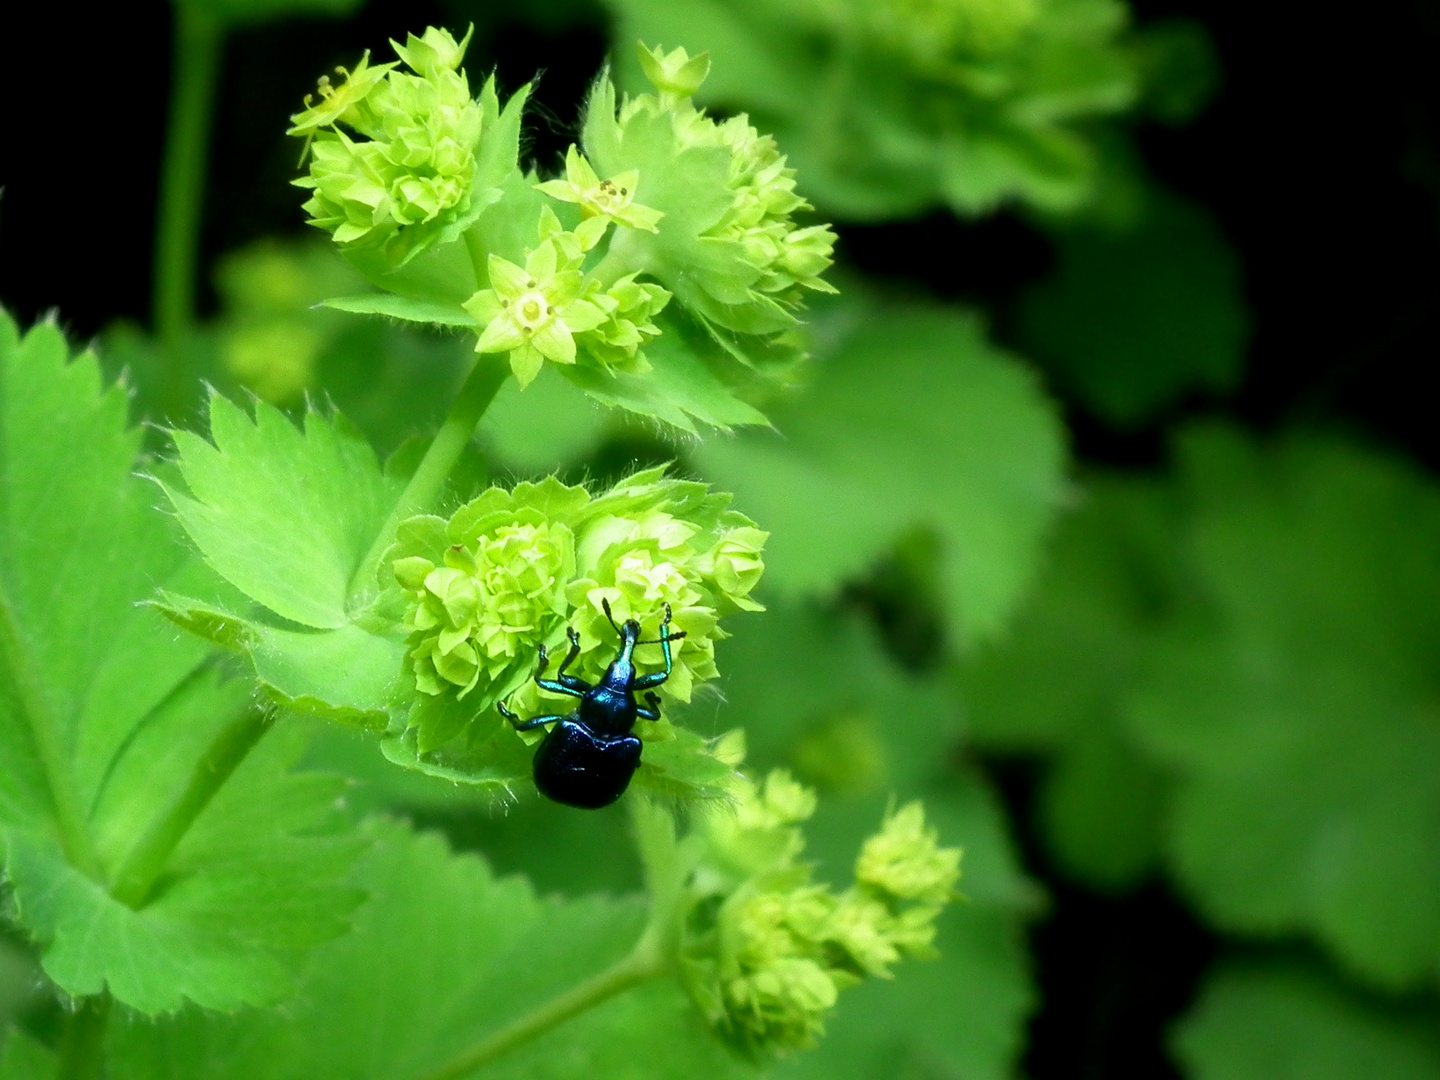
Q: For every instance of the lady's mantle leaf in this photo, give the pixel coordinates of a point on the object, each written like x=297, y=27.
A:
x=443, y=954
x=241, y=904
x=106, y=711
x=284, y=515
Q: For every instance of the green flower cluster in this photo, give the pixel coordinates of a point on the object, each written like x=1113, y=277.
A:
x=546, y=308
x=409, y=159
x=483, y=591
x=787, y=259
x=765, y=951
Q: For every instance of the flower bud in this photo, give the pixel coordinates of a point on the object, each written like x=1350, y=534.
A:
x=676, y=73
x=434, y=52
x=905, y=861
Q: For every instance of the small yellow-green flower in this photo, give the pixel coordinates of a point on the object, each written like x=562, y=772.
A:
x=338, y=102
x=630, y=307
x=533, y=312
x=608, y=200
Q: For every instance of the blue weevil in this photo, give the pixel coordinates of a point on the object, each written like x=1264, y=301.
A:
x=589, y=756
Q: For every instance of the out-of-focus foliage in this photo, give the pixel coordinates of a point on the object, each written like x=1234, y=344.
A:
x=1057, y=683
x=1139, y=311
x=1288, y=1023
x=912, y=420
x=1295, y=706
x=891, y=107
x=1260, y=633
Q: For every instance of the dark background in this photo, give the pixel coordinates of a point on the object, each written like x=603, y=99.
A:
x=1320, y=158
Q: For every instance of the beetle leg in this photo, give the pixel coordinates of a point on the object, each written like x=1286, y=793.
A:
x=653, y=712
x=566, y=684
x=645, y=682
x=533, y=722
x=573, y=684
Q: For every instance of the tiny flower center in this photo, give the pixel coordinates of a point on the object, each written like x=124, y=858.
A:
x=606, y=198
x=532, y=311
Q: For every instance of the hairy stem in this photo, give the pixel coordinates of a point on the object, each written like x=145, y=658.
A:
x=484, y=382
x=136, y=878
x=30, y=702
x=195, y=61
x=645, y=962
x=82, y=1043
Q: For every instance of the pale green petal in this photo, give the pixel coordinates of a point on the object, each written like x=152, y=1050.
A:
x=549, y=224
x=541, y=264
x=591, y=231
x=526, y=363
x=507, y=279
x=501, y=335
x=579, y=171
x=581, y=315
x=484, y=306
x=560, y=189
x=640, y=217
x=555, y=342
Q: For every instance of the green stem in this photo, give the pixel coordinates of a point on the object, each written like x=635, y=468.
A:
x=135, y=880
x=195, y=57
x=82, y=1043
x=31, y=703
x=644, y=962
x=626, y=255
x=484, y=382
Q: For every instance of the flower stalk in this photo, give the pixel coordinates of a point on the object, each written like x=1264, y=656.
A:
x=481, y=385
x=136, y=878
x=197, y=39
x=643, y=963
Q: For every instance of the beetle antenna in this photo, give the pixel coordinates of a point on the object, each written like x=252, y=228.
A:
x=661, y=641
x=605, y=603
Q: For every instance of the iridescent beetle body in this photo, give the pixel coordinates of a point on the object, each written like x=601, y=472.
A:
x=589, y=756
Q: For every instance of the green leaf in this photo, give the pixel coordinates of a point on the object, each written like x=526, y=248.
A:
x=915, y=420
x=443, y=954
x=107, y=712
x=23, y=1058
x=1296, y=705
x=1134, y=318
x=1058, y=682
x=681, y=388
x=284, y=514
x=548, y=425
x=405, y=308
x=1282, y=1023
x=246, y=894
